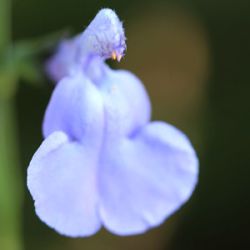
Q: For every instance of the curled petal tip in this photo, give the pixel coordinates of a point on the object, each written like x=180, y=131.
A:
x=104, y=36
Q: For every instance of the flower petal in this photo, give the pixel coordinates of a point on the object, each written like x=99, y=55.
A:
x=62, y=181
x=126, y=103
x=103, y=36
x=64, y=62
x=75, y=108
x=146, y=178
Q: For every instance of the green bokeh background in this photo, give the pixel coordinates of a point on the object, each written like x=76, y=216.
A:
x=193, y=56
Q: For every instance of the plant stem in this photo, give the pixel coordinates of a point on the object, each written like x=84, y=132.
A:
x=10, y=172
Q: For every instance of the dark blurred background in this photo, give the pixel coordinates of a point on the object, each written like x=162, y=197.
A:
x=193, y=56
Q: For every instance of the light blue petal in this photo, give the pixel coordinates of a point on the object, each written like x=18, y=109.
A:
x=64, y=62
x=103, y=36
x=126, y=103
x=62, y=182
x=76, y=108
x=146, y=178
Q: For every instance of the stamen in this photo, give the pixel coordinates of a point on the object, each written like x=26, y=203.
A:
x=119, y=57
x=114, y=56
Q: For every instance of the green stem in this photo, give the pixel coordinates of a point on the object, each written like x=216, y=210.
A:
x=5, y=23
x=10, y=181
x=10, y=178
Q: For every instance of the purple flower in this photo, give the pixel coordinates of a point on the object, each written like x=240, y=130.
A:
x=104, y=37
x=103, y=163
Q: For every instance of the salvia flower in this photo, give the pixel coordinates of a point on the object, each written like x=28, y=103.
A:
x=103, y=163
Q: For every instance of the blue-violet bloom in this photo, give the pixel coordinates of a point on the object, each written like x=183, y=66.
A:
x=102, y=162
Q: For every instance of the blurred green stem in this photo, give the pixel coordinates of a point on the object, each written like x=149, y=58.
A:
x=10, y=178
